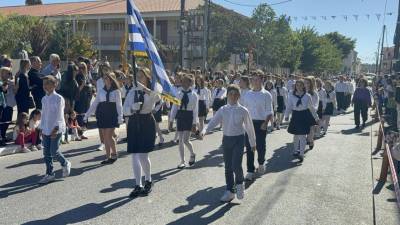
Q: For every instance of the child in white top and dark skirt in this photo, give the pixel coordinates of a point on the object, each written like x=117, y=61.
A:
x=139, y=104
x=219, y=95
x=186, y=119
x=281, y=99
x=202, y=93
x=321, y=106
x=309, y=83
x=236, y=122
x=330, y=106
x=300, y=105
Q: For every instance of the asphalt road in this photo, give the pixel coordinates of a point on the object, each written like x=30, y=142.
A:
x=332, y=186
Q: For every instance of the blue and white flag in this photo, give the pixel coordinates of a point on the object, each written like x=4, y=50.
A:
x=141, y=44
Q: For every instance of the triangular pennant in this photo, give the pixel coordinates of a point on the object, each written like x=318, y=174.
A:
x=295, y=18
x=314, y=17
x=323, y=17
x=378, y=16
x=345, y=17
x=389, y=14
x=355, y=17
x=305, y=18
x=368, y=16
x=333, y=17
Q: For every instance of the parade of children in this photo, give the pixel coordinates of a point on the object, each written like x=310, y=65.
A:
x=245, y=106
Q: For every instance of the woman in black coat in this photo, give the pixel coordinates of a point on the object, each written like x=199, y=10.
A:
x=22, y=95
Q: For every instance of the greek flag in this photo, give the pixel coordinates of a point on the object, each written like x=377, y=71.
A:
x=141, y=44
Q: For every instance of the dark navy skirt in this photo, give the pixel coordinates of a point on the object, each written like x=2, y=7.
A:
x=329, y=109
x=218, y=103
x=320, y=109
x=281, y=104
x=158, y=115
x=202, y=108
x=107, y=115
x=141, y=133
x=184, y=120
x=300, y=122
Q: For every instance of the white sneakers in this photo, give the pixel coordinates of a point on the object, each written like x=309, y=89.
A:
x=66, y=169
x=39, y=146
x=240, y=191
x=249, y=176
x=47, y=179
x=227, y=197
x=33, y=148
x=24, y=150
x=101, y=147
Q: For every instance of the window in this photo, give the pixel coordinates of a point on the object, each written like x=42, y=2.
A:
x=120, y=26
x=106, y=27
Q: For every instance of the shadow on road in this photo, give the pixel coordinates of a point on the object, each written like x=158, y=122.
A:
x=208, y=197
x=212, y=159
x=20, y=186
x=129, y=183
x=83, y=213
x=281, y=160
x=69, y=154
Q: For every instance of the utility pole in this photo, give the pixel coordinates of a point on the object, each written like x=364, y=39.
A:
x=205, y=34
x=397, y=36
x=377, y=57
x=382, y=43
x=181, y=33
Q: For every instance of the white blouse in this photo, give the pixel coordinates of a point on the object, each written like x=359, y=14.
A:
x=315, y=100
x=203, y=95
x=342, y=87
x=221, y=93
x=259, y=104
x=282, y=92
x=115, y=96
x=322, y=97
x=274, y=98
x=131, y=107
x=306, y=103
x=332, y=97
x=193, y=105
x=52, y=114
x=243, y=93
x=235, y=121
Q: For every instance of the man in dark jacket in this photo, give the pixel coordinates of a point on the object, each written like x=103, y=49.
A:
x=36, y=82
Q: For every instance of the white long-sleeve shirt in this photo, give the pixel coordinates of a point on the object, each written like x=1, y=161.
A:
x=130, y=106
x=221, y=94
x=235, y=120
x=322, y=97
x=52, y=114
x=259, y=104
x=282, y=92
x=315, y=100
x=274, y=98
x=342, y=87
x=203, y=95
x=331, y=98
x=193, y=105
x=115, y=96
x=306, y=103
x=290, y=85
x=243, y=93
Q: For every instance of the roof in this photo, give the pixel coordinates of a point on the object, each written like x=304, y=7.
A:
x=98, y=7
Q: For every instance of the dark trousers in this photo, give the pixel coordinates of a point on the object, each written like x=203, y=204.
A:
x=261, y=135
x=233, y=147
x=5, y=117
x=23, y=108
x=360, y=108
x=341, y=102
x=38, y=101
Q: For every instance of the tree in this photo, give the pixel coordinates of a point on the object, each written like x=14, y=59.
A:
x=319, y=53
x=33, y=2
x=343, y=43
x=230, y=33
x=39, y=37
x=275, y=42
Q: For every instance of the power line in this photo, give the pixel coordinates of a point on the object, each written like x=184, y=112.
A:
x=252, y=6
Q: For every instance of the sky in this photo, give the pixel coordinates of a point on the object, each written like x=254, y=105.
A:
x=366, y=31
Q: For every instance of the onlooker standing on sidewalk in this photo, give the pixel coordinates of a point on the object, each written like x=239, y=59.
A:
x=52, y=125
x=22, y=95
x=53, y=68
x=36, y=82
x=6, y=117
x=361, y=101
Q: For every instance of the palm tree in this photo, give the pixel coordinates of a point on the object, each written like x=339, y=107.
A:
x=33, y=2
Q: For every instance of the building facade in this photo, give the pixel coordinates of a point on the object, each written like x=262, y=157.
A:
x=105, y=22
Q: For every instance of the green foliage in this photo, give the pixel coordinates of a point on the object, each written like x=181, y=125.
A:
x=342, y=42
x=319, y=53
x=230, y=33
x=41, y=37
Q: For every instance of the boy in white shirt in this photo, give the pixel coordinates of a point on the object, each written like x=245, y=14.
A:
x=52, y=125
x=236, y=122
